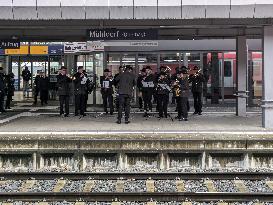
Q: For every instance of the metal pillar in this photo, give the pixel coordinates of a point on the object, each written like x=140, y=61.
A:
x=185, y=60
x=241, y=78
x=267, y=103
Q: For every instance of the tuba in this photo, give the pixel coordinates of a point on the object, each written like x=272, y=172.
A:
x=177, y=88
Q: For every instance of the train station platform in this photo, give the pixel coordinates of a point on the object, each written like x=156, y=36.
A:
x=25, y=118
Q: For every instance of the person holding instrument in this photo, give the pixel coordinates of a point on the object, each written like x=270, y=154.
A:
x=106, y=82
x=63, y=81
x=197, y=80
x=80, y=89
x=181, y=90
x=147, y=90
x=163, y=89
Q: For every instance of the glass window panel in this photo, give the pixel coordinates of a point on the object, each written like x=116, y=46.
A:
x=145, y=3
x=170, y=60
x=24, y=3
x=149, y=59
x=48, y=3
x=121, y=3
x=96, y=2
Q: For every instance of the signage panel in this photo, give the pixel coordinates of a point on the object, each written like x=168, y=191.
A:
x=9, y=44
x=76, y=47
x=23, y=50
x=122, y=34
x=39, y=50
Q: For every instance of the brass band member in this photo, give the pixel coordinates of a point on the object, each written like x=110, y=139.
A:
x=163, y=89
x=63, y=81
x=80, y=90
x=106, y=82
x=147, y=90
x=181, y=90
x=197, y=80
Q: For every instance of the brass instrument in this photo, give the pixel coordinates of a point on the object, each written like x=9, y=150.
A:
x=177, y=88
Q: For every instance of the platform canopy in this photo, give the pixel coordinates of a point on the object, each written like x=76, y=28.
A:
x=69, y=19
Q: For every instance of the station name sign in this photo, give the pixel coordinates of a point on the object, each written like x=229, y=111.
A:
x=9, y=44
x=122, y=34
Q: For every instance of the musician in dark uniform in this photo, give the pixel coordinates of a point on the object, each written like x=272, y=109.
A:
x=80, y=89
x=63, y=81
x=106, y=82
x=147, y=90
x=139, y=86
x=197, y=80
x=181, y=89
x=163, y=90
x=9, y=89
x=115, y=82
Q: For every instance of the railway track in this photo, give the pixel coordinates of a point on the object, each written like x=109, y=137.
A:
x=58, y=194
x=141, y=175
x=140, y=197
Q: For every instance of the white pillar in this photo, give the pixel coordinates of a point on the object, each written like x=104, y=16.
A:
x=241, y=79
x=267, y=77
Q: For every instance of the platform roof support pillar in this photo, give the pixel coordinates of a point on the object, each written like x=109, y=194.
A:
x=267, y=103
x=241, y=79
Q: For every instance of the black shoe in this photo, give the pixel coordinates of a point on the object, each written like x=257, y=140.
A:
x=145, y=114
x=185, y=119
x=111, y=113
x=176, y=117
x=66, y=115
x=127, y=121
x=119, y=122
x=195, y=113
x=180, y=119
x=76, y=114
x=200, y=113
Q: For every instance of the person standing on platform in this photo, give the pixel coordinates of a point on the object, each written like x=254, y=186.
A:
x=90, y=87
x=126, y=82
x=120, y=70
x=36, y=88
x=80, y=89
x=147, y=90
x=63, y=81
x=43, y=88
x=26, y=75
x=197, y=80
x=10, y=90
x=139, y=86
x=163, y=89
x=106, y=82
x=181, y=89
x=2, y=90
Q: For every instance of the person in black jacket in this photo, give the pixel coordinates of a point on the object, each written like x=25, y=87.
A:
x=106, y=82
x=36, y=88
x=26, y=75
x=147, y=90
x=80, y=90
x=2, y=89
x=197, y=80
x=126, y=82
x=63, y=82
x=43, y=88
x=139, y=86
x=163, y=89
x=10, y=89
x=120, y=70
x=181, y=87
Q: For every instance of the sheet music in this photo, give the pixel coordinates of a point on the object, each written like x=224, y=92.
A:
x=148, y=84
x=84, y=80
x=164, y=86
x=105, y=84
